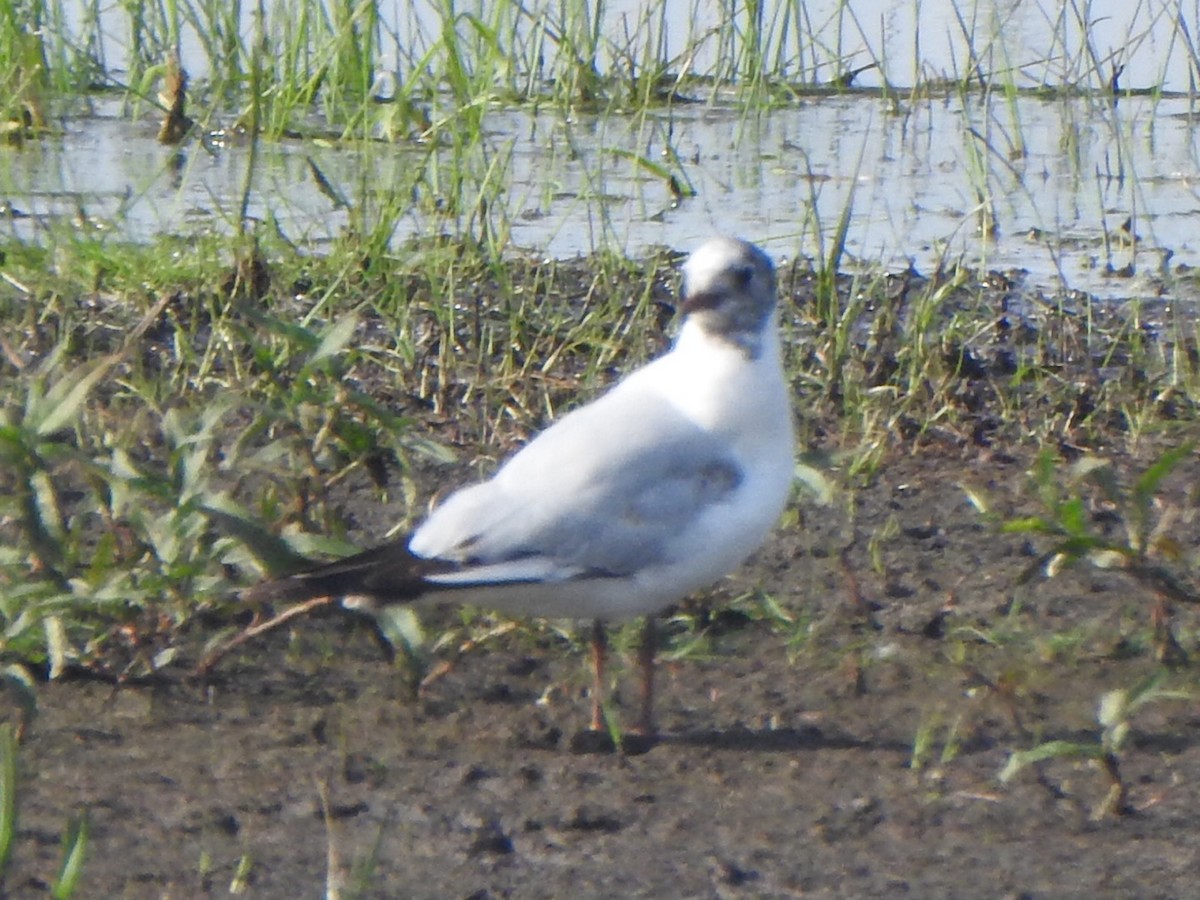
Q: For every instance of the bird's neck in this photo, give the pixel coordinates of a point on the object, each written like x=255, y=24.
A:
x=752, y=346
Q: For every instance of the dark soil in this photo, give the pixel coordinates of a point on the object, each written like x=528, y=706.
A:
x=786, y=768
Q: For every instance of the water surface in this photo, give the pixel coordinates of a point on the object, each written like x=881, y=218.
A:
x=1058, y=185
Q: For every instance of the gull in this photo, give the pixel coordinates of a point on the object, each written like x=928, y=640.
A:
x=626, y=505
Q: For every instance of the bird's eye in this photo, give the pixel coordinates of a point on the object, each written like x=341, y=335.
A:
x=742, y=276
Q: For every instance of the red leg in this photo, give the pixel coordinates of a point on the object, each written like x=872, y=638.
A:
x=646, y=653
x=599, y=657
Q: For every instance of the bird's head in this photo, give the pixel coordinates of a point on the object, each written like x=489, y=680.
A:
x=729, y=290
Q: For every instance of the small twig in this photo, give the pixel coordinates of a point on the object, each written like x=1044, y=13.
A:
x=1167, y=648
x=445, y=667
x=1159, y=579
x=209, y=662
x=19, y=285
x=11, y=354
x=1116, y=800
x=855, y=589
x=333, y=862
x=141, y=327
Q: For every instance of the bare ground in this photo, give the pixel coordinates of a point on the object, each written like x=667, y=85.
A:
x=851, y=753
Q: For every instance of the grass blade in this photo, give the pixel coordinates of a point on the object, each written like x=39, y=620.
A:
x=335, y=339
x=1047, y=751
x=61, y=403
x=75, y=841
x=8, y=794
x=20, y=684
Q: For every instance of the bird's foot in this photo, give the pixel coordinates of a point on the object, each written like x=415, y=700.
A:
x=592, y=742
x=601, y=741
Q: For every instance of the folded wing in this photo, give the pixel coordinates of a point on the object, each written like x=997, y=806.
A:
x=606, y=491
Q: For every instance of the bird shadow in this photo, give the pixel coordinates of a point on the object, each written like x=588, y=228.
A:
x=738, y=740
x=769, y=740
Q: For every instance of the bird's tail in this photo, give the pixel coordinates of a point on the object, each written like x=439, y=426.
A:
x=386, y=574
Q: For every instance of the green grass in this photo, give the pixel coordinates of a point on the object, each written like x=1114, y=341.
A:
x=75, y=837
x=201, y=421
x=138, y=427
x=286, y=62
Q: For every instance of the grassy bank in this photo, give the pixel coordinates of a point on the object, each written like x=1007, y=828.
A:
x=178, y=418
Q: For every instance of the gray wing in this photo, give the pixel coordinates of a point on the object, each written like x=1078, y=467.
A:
x=637, y=522
x=607, y=490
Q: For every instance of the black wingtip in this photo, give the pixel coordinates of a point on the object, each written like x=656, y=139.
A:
x=390, y=573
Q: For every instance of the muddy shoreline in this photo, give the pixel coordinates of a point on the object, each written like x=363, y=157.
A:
x=788, y=768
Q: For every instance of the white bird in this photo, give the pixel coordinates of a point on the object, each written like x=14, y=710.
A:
x=626, y=505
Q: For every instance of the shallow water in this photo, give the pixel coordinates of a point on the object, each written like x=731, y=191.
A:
x=1044, y=185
